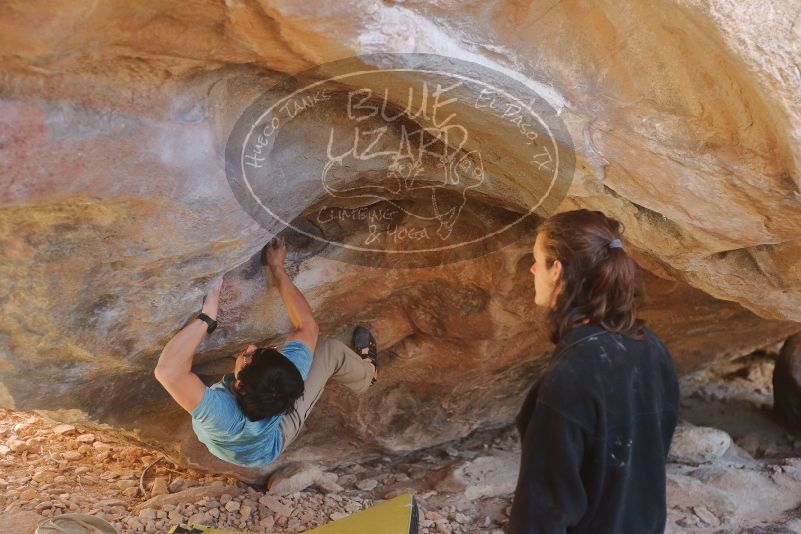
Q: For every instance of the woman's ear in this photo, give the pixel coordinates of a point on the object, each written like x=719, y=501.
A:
x=556, y=273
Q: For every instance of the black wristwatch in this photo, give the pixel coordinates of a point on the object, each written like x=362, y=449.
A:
x=209, y=321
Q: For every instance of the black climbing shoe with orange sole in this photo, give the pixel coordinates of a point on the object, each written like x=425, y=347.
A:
x=363, y=339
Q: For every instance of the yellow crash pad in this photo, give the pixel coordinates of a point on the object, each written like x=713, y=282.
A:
x=396, y=516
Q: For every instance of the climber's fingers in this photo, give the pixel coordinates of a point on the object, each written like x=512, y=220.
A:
x=250, y=349
x=277, y=243
x=274, y=252
x=216, y=287
x=272, y=246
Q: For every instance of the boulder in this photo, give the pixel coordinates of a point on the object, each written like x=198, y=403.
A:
x=493, y=475
x=698, y=444
x=297, y=477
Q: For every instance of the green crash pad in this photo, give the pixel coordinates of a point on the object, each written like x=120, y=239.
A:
x=396, y=516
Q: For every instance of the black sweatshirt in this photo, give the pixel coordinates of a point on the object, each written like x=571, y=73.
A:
x=595, y=434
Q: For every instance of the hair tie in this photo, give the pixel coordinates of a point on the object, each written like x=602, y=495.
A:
x=615, y=244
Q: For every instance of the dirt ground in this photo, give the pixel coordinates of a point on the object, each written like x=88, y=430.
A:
x=733, y=469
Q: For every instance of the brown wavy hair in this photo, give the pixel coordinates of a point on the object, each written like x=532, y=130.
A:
x=598, y=283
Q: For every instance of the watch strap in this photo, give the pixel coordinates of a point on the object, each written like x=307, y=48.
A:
x=209, y=321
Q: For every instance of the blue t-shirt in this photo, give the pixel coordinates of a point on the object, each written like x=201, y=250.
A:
x=220, y=424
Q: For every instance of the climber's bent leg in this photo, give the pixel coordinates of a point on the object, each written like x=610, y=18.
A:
x=332, y=360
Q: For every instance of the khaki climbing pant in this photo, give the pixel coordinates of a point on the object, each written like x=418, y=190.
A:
x=332, y=360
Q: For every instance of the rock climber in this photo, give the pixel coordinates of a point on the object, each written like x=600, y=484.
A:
x=597, y=426
x=252, y=415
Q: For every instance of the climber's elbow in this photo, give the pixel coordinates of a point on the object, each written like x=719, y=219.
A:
x=159, y=373
x=312, y=326
x=163, y=373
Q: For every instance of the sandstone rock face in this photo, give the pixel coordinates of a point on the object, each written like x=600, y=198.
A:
x=117, y=212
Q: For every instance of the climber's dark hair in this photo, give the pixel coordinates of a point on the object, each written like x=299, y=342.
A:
x=270, y=384
x=598, y=283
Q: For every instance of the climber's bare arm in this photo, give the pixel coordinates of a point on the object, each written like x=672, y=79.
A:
x=297, y=307
x=174, y=368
